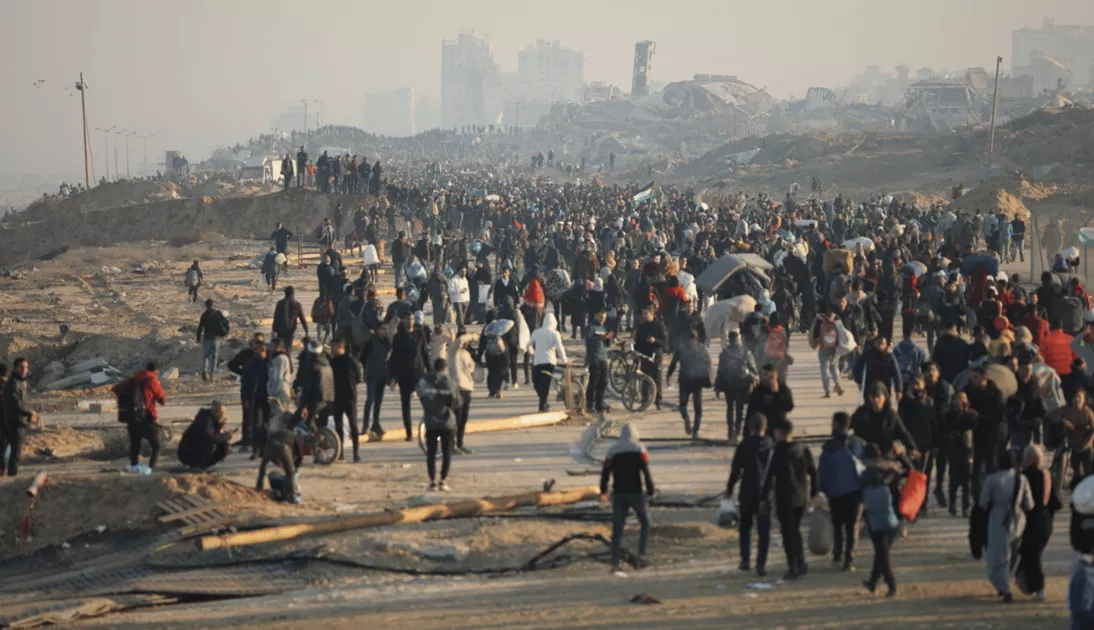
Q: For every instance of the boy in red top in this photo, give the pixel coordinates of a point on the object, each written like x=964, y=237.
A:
x=141, y=420
x=1056, y=350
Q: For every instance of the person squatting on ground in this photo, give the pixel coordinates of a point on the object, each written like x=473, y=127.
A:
x=208, y=440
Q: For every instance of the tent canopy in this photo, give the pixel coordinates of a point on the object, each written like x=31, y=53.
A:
x=714, y=276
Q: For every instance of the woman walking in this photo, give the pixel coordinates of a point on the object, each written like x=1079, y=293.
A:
x=1006, y=498
x=627, y=464
x=881, y=518
x=1046, y=502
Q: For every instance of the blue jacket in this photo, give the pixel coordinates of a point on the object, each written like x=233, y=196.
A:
x=1080, y=595
x=840, y=461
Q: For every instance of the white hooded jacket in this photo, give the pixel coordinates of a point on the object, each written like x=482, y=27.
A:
x=546, y=343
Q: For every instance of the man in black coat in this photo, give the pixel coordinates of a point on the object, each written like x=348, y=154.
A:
x=287, y=313
x=772, y=399
x=207, y=441
x=989, y=438
x=793, y=476
x=951, y=353
x=750, y=462
x=17, y=414
x=348, y=374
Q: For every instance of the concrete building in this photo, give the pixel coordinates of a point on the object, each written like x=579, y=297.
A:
x=427, y=113
x=549, y=73
x=643, y=57
x=469, y=79
x=390, y=113
x=1052, y=53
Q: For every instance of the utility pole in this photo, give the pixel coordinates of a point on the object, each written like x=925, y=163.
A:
x=82, y=87
x=145, y=138
x=305, y=102
x=131, y=133
x=106, y=149
x=319, y=116
x=994, y=105
x=117, y=171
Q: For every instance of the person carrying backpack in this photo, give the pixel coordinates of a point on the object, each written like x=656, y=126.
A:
x=212, y=327
x=137, y=400
x=493, y=349
x=737, y=375
x=881, y=518
x=776, y=343
x=839, y=470
x=909, y=356
x=824, y=338
x=194, y=278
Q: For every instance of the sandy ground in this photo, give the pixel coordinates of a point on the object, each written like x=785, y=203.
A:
x=694, y=562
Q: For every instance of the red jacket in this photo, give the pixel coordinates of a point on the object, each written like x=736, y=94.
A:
x=1056, y=350
x=533, y=295
x=153, y=391
x=1038, y=327
x=678, y=291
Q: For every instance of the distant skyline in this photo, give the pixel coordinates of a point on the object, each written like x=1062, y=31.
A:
x=207, y=73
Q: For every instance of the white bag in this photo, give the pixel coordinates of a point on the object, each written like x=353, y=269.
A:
x=484, y=291
x=1082, y=497
x=727, y=514
x=846, y=344
x=370, y=256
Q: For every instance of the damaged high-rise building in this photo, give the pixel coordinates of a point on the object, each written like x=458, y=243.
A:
x=469, y=80
x=643, y=57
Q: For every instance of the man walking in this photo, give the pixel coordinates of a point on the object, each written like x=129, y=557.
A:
x=751, y=461
x=281, y=238
x=301, y=166
x=287, y=313
x=793, y=477
x=439, y=405
x=348, y=373
x=400, y=253
x=840, y=465
x=597, y=339
x=459, y=293
x=18, y=416
x=137, y=400
x=737, y=375
x=212, y=326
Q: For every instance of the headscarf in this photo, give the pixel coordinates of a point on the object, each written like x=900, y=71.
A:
x=1034, y=457
x=628, y=442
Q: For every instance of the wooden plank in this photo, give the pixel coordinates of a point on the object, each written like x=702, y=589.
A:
x=230, y=519
x=203, y=514
x=213, y=510
x=198, y=511
x=177, y=506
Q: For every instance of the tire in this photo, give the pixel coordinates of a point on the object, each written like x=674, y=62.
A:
x=632, y=393
x=327, y=446
x=617, y=374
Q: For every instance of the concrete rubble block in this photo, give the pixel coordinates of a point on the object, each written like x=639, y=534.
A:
x=169, y=374
x=88, y=365
x=97, y=406
x=444, y=553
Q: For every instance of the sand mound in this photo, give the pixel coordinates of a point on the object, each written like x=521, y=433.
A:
x=1004, y=194
x=69, y=506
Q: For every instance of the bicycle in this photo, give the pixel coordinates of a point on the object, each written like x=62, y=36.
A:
x=621, y=362
x=638, y=388
x=323, y=443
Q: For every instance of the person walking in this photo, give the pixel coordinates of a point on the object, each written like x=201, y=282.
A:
x=736, y=376
x=271, y=269
x=400, y=255
x=459, y=293
x=440, y=403
x=212, y=327
x=627, y=466
x=546, y=344
x=279, y=377
x=281, y=238
x=287, y=313
x=840, y=466
x=461, y=373
x=254, y=396
x=751, y=461
x=207, y=441
x=194, y=278
x=138, y=397
x=17, y=414
x=772, y=398
x=695, y=366
x=407, y=364
x=1046, y=502
x=348, y=374
x=881, y=518
x=375, y=356
x=824, y=337
x=793, y=478
x=1006, y=497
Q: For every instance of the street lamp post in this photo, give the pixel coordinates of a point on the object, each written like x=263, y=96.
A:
x=319, y=116
x=131, y=133
x=145, y=138
x=117, y=169
x=305, y=103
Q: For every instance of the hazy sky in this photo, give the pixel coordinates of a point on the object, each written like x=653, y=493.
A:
x=203, y=73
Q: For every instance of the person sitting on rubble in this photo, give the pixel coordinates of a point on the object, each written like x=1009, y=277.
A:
x=208, y=440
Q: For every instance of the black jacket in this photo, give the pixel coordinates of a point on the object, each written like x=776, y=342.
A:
x=400, y=251
x=281, y=240
x=286, y=314
x=793, y=476
x=201, y=438
x=881, y=428
x=209, y=325
x=409, y=356
x=348, y=373
x=951, y=353
x=773, y=405
x=16, y=407
x=627, y=471
x=749, y=463
x=991, y=406
x=921, y=420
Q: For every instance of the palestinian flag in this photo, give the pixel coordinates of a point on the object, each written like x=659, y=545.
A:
x=643, y=194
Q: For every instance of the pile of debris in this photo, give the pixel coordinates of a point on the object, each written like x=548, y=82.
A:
x=92, y=372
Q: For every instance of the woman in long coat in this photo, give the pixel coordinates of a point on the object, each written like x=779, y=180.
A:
x=1046, y=502
x=1006, y=498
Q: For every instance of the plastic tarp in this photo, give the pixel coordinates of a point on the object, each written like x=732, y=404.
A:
x=852, y=244
x=1086, y=236
x=498, y=327
x=687, y=281
x=714, y=276
x=725, y=315
x=990, y=262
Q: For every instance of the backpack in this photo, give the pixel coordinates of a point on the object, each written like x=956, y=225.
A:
x=923, y=312
x=877, y=503
x=131, y=404
x=192, y=277
x=734, y=372
x=829, y=335
x=495, y=346
x=223, y=325
x=1070, y=314
x=907, y=360
x=776, y=344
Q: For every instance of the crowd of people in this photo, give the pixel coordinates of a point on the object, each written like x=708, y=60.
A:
x=1003, y=377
